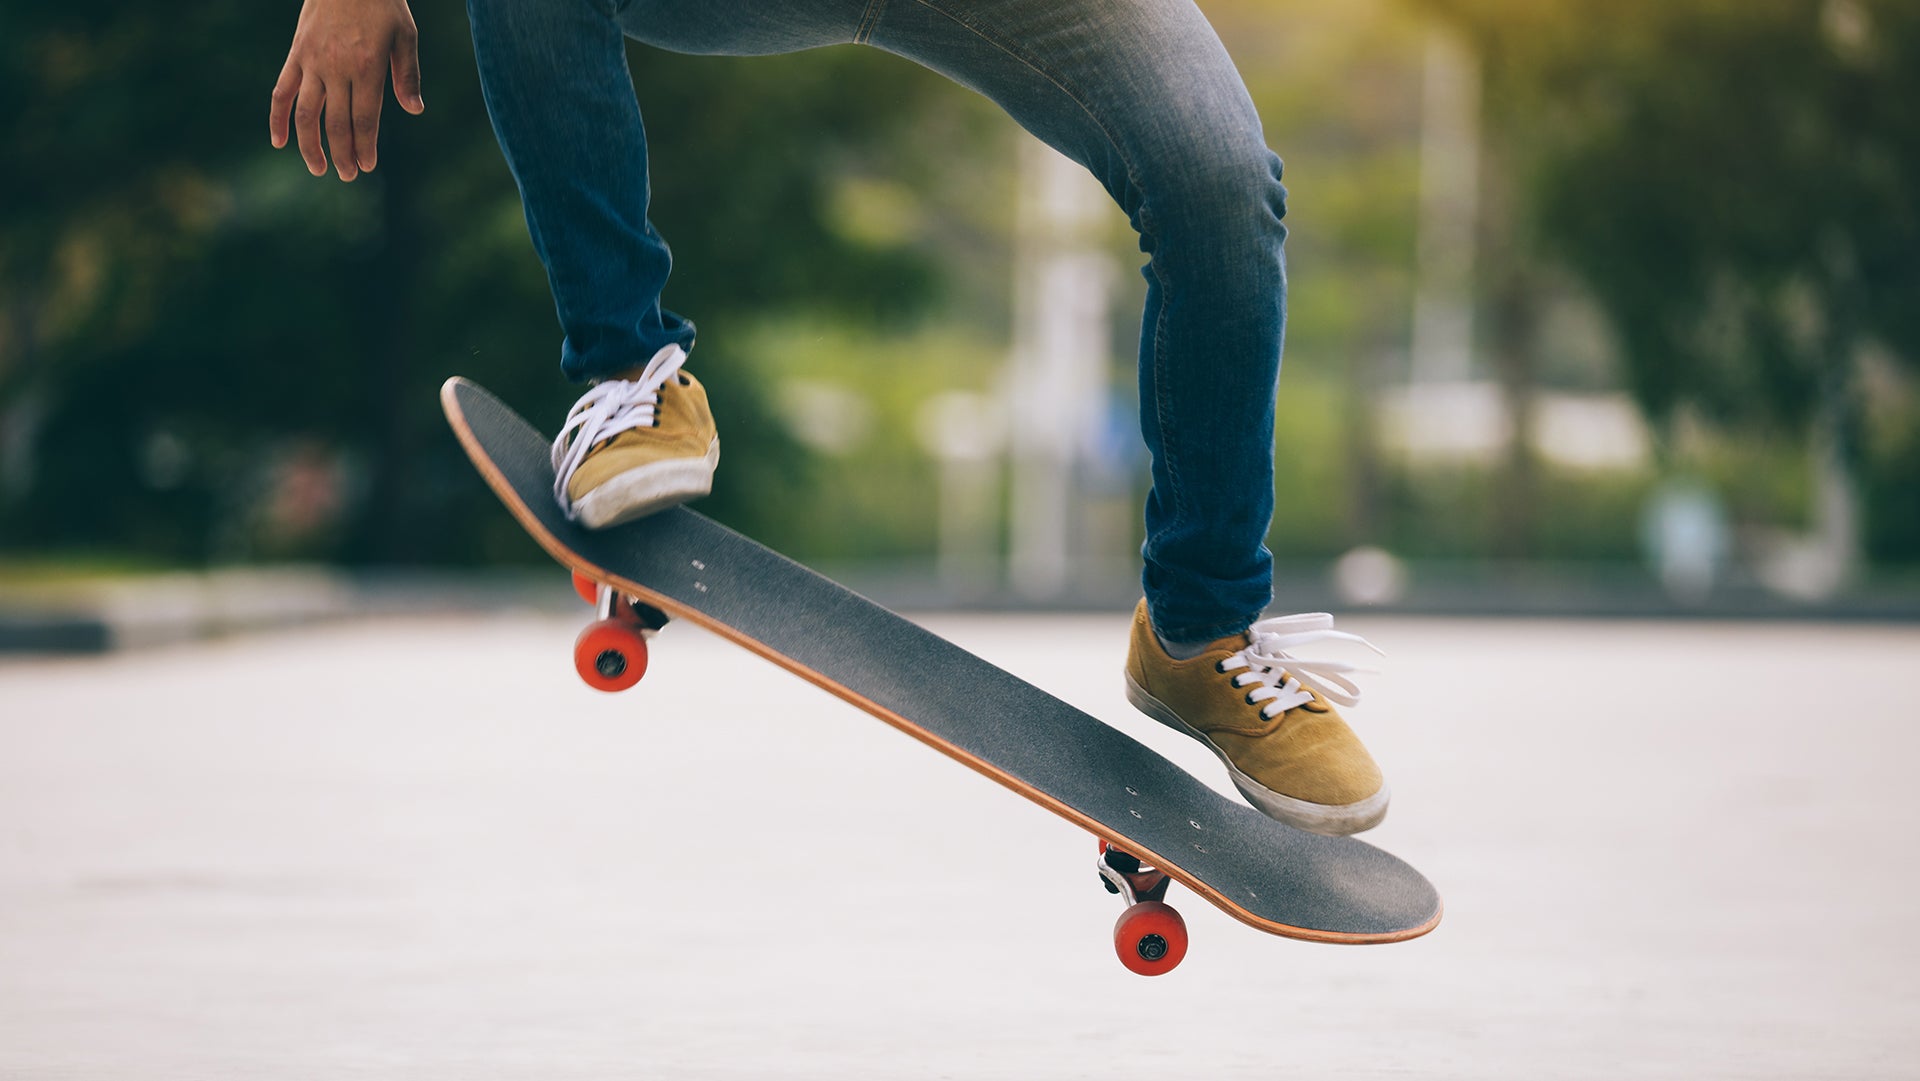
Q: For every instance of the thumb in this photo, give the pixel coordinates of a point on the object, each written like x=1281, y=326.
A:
x=406, y=74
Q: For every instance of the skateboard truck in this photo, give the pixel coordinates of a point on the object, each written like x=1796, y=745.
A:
x=611, y=653
x=1150, y=937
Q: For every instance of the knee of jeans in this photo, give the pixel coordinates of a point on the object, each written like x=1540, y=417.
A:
x=1213, y=179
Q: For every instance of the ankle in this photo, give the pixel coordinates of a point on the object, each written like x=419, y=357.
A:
x=1180, y=650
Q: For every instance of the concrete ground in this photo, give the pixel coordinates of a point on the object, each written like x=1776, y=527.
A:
x=418, y=848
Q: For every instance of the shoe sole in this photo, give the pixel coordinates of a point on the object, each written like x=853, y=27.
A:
x=1333, y=821
x=647, y=489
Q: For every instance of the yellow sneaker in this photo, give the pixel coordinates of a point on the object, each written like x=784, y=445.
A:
x=1265, y=713
x=636, y=444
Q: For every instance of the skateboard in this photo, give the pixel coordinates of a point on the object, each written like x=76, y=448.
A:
x=1155, y=823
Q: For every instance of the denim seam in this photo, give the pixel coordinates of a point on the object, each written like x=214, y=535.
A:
x=1164, y=416
x=868, y=20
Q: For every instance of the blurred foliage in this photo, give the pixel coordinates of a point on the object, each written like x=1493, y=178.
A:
x=1733, y=180
x=1437, y=510
x=1892, y=480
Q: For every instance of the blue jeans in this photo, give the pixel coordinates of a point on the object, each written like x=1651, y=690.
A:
x=1141, y=92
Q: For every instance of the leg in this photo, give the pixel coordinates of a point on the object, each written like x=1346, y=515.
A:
x=1142, y=93
x=554, y=74
x=557, y=88
x=555, y=80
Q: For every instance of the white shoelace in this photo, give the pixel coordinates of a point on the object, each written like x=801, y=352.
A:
x=612, y=407
x=1269, y=656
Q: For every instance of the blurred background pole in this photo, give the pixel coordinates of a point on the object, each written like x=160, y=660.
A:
x=1449, y=211
x=966, y=434
x=1057, y=373
x=1507, y=275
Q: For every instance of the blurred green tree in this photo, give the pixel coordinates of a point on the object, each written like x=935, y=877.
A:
x=1737, y=182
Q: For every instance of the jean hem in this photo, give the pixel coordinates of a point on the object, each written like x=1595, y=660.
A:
x=1202, y=634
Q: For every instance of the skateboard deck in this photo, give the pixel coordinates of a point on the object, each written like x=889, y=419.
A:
x=1271, y=876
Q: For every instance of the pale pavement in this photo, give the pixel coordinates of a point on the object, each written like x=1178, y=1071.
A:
x=420, y=849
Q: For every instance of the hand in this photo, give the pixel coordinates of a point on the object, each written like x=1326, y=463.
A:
x=337, y=68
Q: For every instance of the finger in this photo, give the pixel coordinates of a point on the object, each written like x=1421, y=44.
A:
x=368, y=93
x=340, y=130
x=306, y=122
x=406, y=71
x=284, y=92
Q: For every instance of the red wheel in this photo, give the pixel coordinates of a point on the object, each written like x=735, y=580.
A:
x=1150, y=938
x=610, y=655
x=588, y=589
